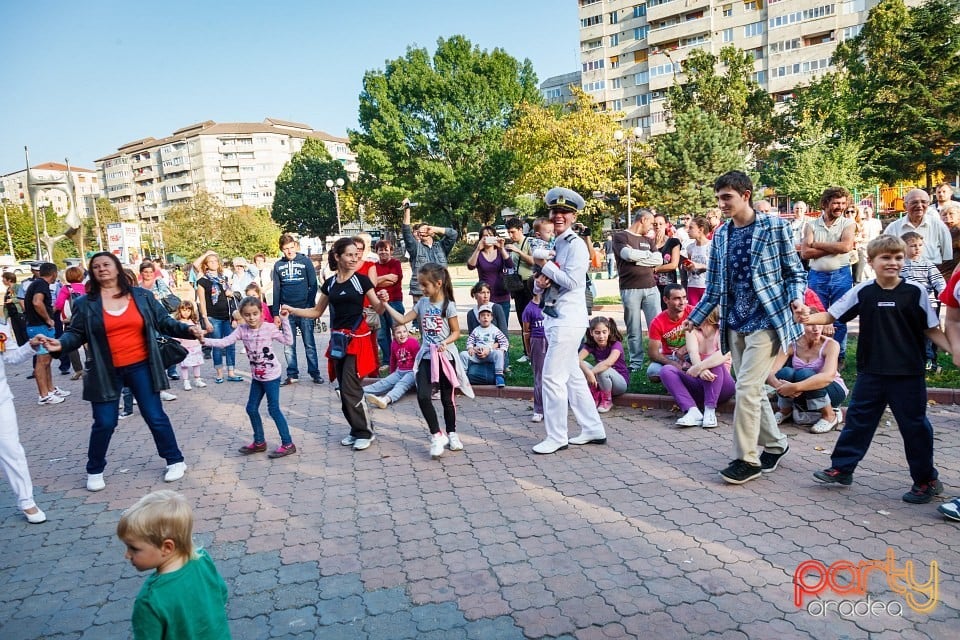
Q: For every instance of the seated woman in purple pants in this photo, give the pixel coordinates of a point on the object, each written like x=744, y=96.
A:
x=706, y=380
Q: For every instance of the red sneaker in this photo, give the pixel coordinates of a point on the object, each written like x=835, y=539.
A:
x=253, y=447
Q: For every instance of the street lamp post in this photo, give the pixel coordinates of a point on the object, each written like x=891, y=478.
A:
x=335, y=187
x=629, y=137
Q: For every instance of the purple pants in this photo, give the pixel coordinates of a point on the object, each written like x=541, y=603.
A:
x=689, y=391
x=538, y=350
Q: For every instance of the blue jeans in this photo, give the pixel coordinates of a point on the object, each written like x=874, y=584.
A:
x=812, y=400
x=907, y=398
x=385, y=336
x=636, y=301
x=305, y=325
x=221, y=329
x=393, y=386
x=105, y=417
x=831, y=286
x=271, y=389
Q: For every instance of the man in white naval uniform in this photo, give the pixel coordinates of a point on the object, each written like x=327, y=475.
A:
x=563, y=380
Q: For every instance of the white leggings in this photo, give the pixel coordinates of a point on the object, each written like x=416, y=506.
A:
x=12, y=458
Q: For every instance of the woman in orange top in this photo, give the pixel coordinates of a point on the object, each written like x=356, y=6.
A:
x=120, y=323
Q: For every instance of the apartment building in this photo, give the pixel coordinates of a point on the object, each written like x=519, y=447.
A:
x=85, y=182
x=237, y=163
x=631, y=51
x=556, y=89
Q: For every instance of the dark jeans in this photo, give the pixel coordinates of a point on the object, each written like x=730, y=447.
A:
x=271, y=389
x=907, y=398
x=425, y=390
x=833, y=390
x=221, y=329
x=384, y=335
x=830, y=286
x=305, y=325
x=105, y=417
x=351, y=398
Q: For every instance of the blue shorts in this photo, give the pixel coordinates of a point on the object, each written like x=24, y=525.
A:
x=41, y=330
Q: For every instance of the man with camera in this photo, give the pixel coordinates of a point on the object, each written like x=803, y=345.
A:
x=563, y=381
x=421, y=248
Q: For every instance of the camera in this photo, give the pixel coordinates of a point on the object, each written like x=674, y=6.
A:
x=580, y=229
x=489, y=241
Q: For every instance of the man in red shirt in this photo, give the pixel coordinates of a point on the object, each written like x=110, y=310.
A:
x=666, y=341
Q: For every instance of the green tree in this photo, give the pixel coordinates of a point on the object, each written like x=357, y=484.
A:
x=432, y=128
x=732, y=96
x=897, y=89
x=302, y=202
x=571, y=146
x=202, y=223
x=106, y=214
x=20, y=219
x=688, y=160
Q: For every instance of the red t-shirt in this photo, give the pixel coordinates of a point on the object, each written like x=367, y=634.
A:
x=125, y=336
x=951, y=295
x=393, y=266
x=669, y=333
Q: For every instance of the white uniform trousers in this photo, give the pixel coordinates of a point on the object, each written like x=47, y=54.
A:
x=563, y=383
x=12, y=458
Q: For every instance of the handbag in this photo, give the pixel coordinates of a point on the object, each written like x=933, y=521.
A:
x=171, y=351
x=372, y=318
x=512, y=281
x=170, y=302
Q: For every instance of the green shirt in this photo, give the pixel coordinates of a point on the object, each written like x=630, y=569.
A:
x=190, y=602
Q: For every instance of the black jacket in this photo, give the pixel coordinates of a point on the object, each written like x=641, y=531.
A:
x=86, y=327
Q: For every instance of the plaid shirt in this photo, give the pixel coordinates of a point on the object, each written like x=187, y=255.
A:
x=778, y=277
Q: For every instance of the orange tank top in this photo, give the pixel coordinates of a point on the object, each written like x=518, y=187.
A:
x=125, y=336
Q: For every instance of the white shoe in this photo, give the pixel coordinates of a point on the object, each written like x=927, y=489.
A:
x=199, y=383
x=709, y=418
x=586, y=438
x=186, y=385
x=548, y=447
x=692, y=418
x=175, y=471
x=363, y=443
x=537, y=417
x=380, y=402
x=60, y=392
x=437, y=442
x=455, y=444
x=166, y=395
x=37, y=517
x=348, y=441
x=523, y=359
x=50, y=398
x=824, y=426
x=95, y=482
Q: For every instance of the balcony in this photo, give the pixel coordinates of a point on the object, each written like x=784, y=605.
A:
x=229, y=162
x=231, y=188
x=138, y=162
x=182, y=194
x=146, y=174
x=123, y=192
x=677, y=31
x=674, y=7
x=593, y=32
x=176, y=164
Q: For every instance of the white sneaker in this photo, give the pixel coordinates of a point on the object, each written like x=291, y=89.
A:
x=60, y=392
x=50, y=398
x=124, y=415
x=199, y=383
x=175, y=471
x=186, y=384
x=455, y=444
x=692, y=418
x=437, y=442
x=380, y=402
x=709, y=418
x=348, y=441
x=363, y=443
x=166, y=395
x=537, y=417
x=523, y=358
x=95, y=482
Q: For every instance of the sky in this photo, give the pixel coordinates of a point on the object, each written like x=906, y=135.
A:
x=84, y=78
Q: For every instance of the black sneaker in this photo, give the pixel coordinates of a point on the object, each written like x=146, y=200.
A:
x=923, y=493
x=317, y=380
x=831, y=476
x=740, y=471
x=769, y=461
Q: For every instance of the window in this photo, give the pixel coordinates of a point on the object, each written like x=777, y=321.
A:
x=727, y=35
x=618, y=105
x=800, y=16
x=642, y=77
x=785, y=45
x=593, y=65
x=657, y=3
x=760, y=77
x=751, y=5
x=550, y=94
x=592, y=87
x=753, y=29
x=614, y=39
x=613, y=17
x=591, y=44
x=640, y=33
x=643, y=99
x=757, y=53
x=727, y=10
x=640, y=56
x=854, y=6
x=616, y=83
x=643, y=121
x=591, y=21
x=587, y=3
x=850, y=33
x=694, y=40
x=664, y=69
x=614, y=62
x=639, y=10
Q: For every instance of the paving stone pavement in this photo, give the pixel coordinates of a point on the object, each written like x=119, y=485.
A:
x=638, y=538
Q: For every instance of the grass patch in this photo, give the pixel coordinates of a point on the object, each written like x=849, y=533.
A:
x=599, y=300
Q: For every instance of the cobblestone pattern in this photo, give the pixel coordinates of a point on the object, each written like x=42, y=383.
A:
x=638, y=538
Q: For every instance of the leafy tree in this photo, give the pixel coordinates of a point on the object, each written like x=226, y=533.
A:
x=733, y=96
x=247, y=231
x=688, y=160
x=897, y=89
x=432, y=128
x=571, y=146
x=20, y=219
x=202, y=223
x=106, y=214
x=302, y=202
